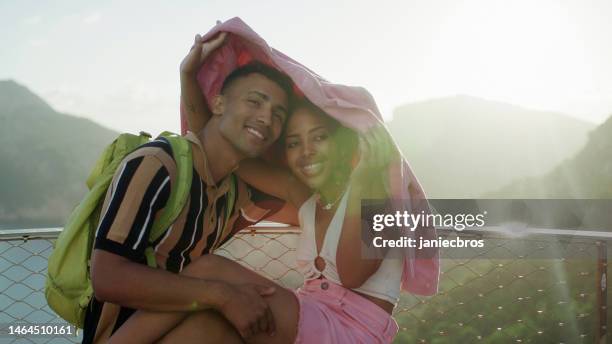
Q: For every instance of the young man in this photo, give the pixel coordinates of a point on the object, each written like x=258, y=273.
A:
x=246, y=118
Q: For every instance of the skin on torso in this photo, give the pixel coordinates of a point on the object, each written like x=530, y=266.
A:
x=322, y=221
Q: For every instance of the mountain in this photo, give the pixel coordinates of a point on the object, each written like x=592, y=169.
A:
x=587, y=175
x=463, y=147
x=46, y=157
x=459, y=147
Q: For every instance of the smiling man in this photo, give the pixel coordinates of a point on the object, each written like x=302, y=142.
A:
x=245, y=119
x=255, y=92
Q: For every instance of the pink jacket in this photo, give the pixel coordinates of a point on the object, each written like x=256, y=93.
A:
x=354, y=107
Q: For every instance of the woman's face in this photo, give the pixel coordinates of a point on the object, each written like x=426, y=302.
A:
x=310, y=150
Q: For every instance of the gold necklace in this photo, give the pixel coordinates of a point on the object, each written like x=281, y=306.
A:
x=330, y=205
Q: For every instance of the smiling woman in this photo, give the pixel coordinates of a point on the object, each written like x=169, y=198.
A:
x=311, y=130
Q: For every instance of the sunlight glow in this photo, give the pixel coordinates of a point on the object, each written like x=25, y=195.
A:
x=527, y=52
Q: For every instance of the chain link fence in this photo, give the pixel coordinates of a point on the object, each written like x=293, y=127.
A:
x=527, y=296
x=23, y=267
x=520, y=298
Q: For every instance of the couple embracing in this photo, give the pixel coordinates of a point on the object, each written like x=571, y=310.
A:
x=326, y=150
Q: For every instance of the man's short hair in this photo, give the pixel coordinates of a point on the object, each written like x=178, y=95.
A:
x=273, y=74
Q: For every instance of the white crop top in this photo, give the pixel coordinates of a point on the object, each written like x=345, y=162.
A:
x=383, y=284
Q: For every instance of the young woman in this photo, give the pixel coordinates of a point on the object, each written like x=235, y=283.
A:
x=345, y=298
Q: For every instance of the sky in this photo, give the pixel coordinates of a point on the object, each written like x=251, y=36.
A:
x=116, y=62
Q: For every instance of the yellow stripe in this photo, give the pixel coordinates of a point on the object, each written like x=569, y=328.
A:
x=124, y=220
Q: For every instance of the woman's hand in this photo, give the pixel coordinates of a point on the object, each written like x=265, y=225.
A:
x=368, y=181
x=377, y=151
x=199, y=51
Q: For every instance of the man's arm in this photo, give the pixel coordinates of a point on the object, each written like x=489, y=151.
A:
x=192, y=98
x=121, y=281
x=273, y=180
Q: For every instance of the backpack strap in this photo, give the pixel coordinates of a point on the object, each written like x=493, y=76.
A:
x=113, y=155
x=180, y=188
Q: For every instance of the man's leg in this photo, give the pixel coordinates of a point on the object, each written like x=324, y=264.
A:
x=150, y=326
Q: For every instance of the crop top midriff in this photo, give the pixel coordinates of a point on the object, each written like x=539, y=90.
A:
x=383, y=284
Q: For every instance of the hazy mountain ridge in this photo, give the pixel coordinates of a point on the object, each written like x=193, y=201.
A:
x=17, y=99
x=463, y=147
x=47, y=156
x=586, y=175
x=458, y=146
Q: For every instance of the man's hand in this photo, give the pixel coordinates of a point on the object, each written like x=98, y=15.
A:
x=199, y=52
x=245, y=307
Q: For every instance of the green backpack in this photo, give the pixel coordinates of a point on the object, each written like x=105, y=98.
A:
x=68, y=287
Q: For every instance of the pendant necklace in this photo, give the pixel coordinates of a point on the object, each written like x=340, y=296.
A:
x=329, y=205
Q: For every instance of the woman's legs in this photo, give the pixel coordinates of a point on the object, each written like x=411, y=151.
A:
x=150, y=326
x=203, y=327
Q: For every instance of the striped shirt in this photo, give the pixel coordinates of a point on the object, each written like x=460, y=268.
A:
x=136, y=197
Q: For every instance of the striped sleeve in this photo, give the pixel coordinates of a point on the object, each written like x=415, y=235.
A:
x=138, y=192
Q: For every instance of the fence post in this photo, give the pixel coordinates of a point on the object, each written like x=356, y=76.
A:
x=602, y=291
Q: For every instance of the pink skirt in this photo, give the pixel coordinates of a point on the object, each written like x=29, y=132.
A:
x=330, y=313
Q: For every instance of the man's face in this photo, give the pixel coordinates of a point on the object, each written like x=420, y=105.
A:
x=253, y=109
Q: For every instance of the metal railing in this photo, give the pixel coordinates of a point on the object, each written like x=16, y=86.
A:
x=509, y=292
x=503, y=293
